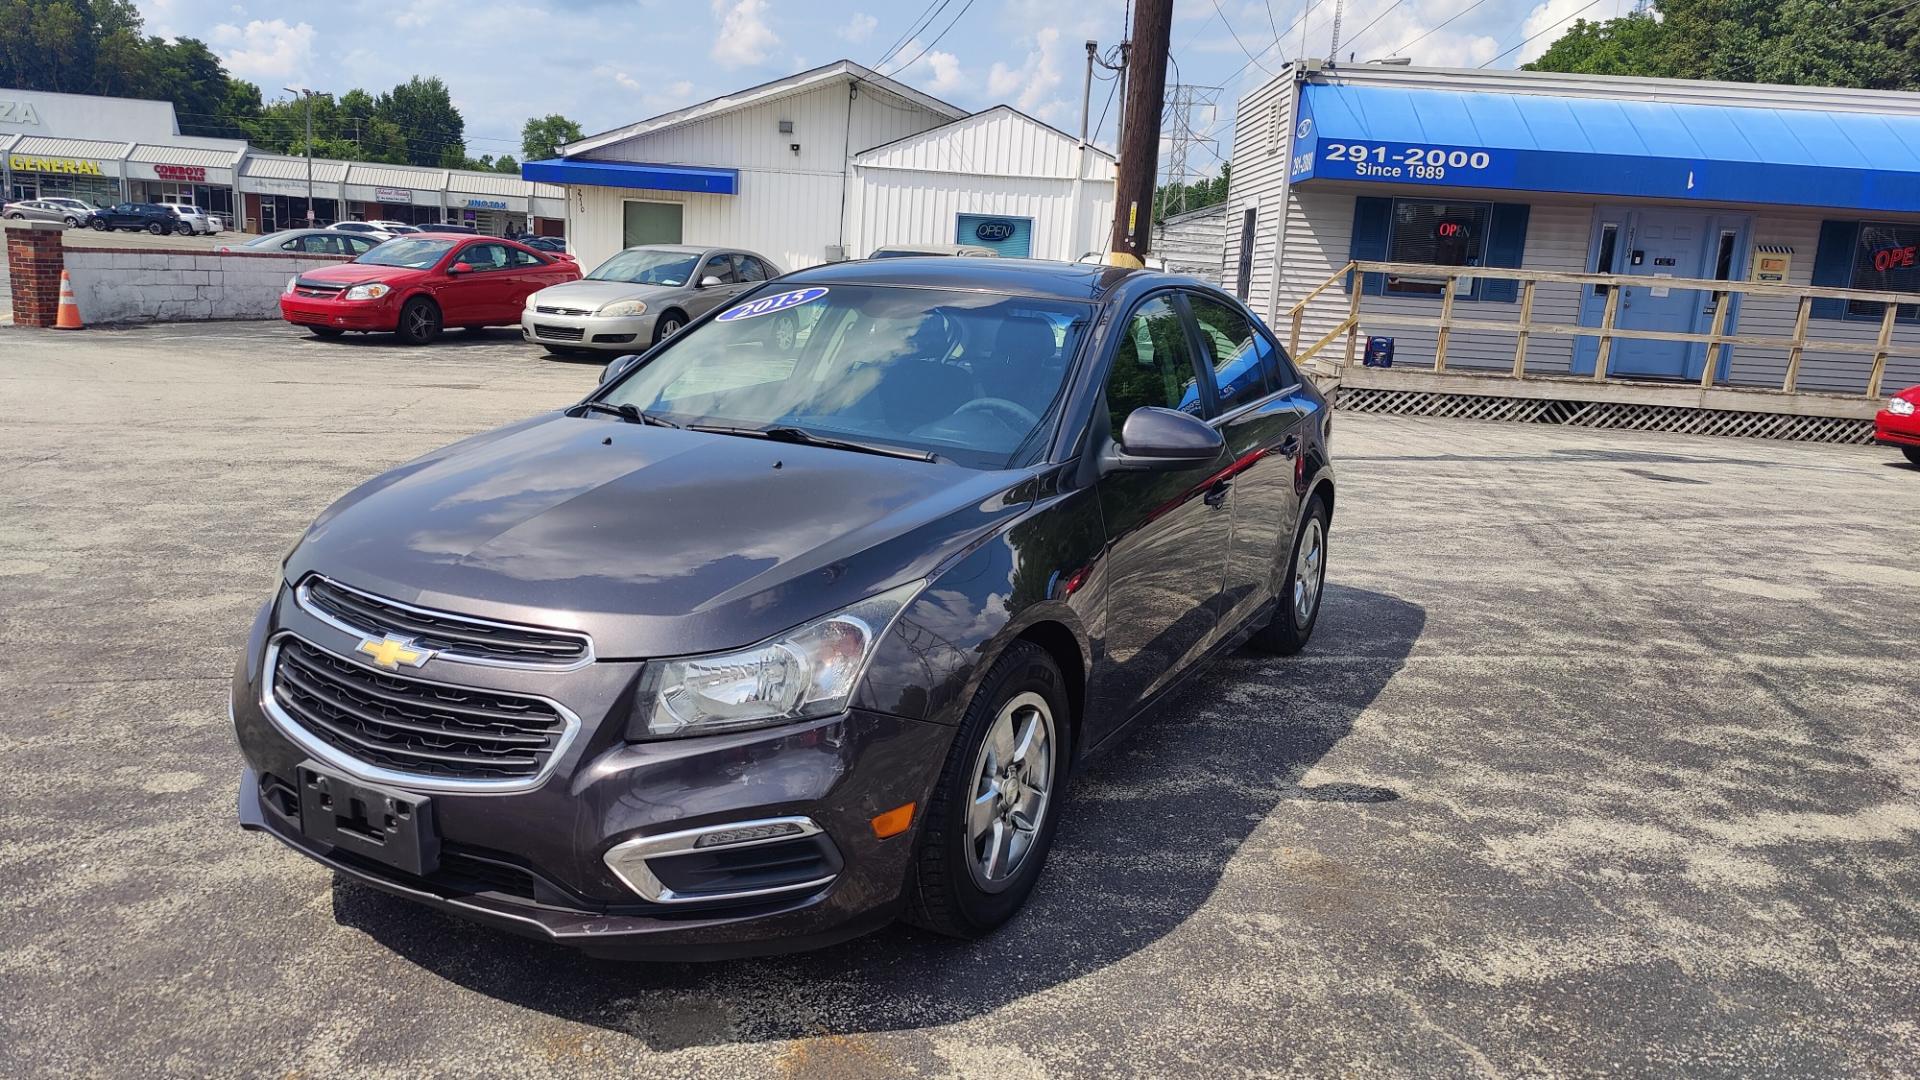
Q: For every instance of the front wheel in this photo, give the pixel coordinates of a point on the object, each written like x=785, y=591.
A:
x=73, y=223
x=1298, y=603
x=986, y=831
x=419, y=321
x=1912, y=452
x=97, y=225
x=157, y=229
x=667, y=325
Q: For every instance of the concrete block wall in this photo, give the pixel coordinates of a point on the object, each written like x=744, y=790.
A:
x=124, y=286
x=33, y=273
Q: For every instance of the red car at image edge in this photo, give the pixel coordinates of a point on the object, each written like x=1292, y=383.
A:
x=416, y=286
x=1898, y=423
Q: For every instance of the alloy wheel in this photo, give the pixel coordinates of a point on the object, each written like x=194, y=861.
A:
x=1012, y=788
x=1309, y=571
x=419, y=322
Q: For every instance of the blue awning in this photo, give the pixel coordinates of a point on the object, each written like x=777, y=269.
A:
x=1608, y=146
x=623, y=174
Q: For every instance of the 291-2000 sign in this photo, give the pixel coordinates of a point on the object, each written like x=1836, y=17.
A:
x=1420, y=162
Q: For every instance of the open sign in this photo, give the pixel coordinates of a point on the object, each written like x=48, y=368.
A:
x=1450, y=230
x=1894, y=258
x=994, y=231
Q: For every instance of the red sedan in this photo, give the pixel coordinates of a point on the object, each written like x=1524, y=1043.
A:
x=416, y=286
x=1899, y=423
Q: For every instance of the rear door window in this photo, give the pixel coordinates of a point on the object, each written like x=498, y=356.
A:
x=1233, y=352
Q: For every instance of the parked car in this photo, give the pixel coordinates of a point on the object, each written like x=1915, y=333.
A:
x=764, y=643
x=416, y=285
x=198, y=221
x=905, y=251
x=153, y=217
x=641, y=296
x=553, y=244
x=60, y=210
x=309, y=242
x=448, y=227
x=1898, y=423
x=377, y=230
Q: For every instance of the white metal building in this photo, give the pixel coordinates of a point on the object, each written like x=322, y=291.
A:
x=829, y=164
x=1649, y=178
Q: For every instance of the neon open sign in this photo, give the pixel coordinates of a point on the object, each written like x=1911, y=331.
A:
x=1894, y=258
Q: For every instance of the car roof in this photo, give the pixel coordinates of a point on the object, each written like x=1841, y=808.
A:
x=1027, y=277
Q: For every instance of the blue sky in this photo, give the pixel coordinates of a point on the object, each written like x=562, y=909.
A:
x=610, y=62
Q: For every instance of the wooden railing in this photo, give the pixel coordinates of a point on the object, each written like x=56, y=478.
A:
x=1524, y=328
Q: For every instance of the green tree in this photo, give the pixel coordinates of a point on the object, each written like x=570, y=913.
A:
x=423, y=111
x=542, y=137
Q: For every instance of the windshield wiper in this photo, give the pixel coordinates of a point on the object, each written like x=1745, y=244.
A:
x=626, y=411
x=788, y=434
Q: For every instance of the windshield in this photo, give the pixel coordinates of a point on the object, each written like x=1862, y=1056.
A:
x=414, y=253
x=968, y=376
x=642, y=267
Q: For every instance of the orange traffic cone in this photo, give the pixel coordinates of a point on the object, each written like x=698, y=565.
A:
x=68, y=317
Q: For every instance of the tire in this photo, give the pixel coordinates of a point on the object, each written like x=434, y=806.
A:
x=950, y=891
x=419, y=321
x=21, y=217
x=183, y=229
x=157, y=229
x=1304, y=586
x=73, y=222
x=1912, y=452
x=326, y=331
x=97, y=225
x=667, y=325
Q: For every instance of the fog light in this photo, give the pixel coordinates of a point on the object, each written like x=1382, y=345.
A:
x=749, y=834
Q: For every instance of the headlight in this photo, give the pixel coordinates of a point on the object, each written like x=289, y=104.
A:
x=808, y=672
x=1900, y=407
x=624, y=307
x=290, y=282
x=372, y=290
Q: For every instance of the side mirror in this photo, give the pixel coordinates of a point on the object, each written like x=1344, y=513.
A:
x=619, y=366
x=460, y=268
x=710, y=281
x=1162, y=440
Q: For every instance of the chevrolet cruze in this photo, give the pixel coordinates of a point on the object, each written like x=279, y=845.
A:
x=781, y=634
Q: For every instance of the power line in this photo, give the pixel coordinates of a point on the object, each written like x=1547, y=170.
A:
x=1402, y=50
x=936, y=38
x=1236, y=39
x=1382, y=15
x=1557, y=23
x=924, y=19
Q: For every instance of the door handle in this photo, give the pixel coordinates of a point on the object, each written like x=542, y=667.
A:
x=1216, y=495
x=1290, y=445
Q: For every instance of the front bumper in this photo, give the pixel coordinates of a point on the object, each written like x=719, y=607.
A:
x=1896, y=430
x=370, y=315
x=624, y=334
x=551, y=840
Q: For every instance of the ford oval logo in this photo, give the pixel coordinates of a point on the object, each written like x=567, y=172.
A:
x=994, y=231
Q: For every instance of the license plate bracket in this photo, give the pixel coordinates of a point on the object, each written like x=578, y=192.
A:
x=379, y=823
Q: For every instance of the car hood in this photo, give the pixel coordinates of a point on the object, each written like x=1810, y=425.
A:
x=585, y=293
x=355, y=273
x=656, y=542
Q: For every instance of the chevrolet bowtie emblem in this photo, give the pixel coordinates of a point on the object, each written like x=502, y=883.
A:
x=390, y=652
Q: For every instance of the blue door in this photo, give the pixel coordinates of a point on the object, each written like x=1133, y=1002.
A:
x=1650, y=245
x=1009, y=237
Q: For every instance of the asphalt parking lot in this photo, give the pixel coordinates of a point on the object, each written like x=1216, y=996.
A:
x=1604, y=761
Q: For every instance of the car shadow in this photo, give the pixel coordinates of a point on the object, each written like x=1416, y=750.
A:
x=1149, y=828
x=492, y=335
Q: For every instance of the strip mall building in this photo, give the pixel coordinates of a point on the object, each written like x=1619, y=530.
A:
x=109, y=150
x=1802, y=187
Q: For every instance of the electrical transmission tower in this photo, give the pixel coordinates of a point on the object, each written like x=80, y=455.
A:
x=1177, y=127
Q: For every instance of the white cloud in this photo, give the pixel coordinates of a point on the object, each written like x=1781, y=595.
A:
x=859, y=28
x=1539, y=19
x=744, y=37
x=934, y=71
x=1031, y=85
x=265, y=52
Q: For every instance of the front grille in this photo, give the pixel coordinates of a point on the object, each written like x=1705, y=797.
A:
x=546, y=309
x=316, y=289
x=456, y=637
x=411, y=726
x=558, y=333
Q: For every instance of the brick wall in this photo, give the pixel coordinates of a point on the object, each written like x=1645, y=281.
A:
x=123, y=285
x=33, y=272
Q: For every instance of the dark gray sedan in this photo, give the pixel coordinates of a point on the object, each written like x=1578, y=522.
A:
x=776, y=637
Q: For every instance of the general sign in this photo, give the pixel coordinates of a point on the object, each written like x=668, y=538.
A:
x=77, y=166
x=192, y=174
x=393, y=194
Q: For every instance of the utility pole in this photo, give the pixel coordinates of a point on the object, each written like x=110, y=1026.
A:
x=308, y=94
x=1140, y=137
x=1086, y=92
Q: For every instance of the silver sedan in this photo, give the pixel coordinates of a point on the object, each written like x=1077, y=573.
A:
x=69, y=212
x=641, y=296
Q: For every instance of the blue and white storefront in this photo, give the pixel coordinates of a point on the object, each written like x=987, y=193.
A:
x=1648, y=179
